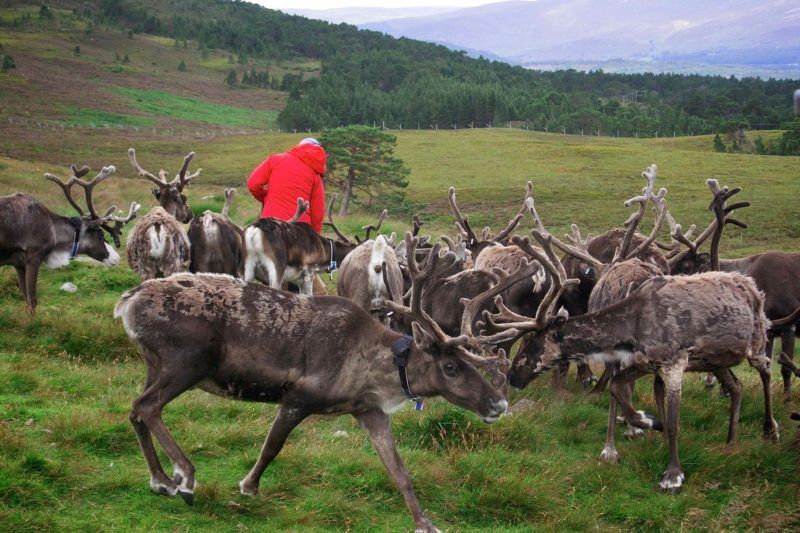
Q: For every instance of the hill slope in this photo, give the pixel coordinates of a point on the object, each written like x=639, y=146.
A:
x=340, y=76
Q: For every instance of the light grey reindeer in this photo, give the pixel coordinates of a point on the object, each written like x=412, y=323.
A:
x=312, y=355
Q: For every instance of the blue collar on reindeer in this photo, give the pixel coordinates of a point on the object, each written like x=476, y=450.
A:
x=333, y=264
x=401, y=349
x=76, y=224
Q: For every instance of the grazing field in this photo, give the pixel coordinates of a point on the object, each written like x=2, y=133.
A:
x=69, y=459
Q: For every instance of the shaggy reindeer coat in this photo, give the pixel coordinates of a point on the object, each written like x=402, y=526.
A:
x=158, y=245
x=361, y=277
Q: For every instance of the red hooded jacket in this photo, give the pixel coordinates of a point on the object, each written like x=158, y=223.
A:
x=283, y=178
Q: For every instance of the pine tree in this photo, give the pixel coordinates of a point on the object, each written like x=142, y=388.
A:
x=362, y=165
x=231, y=79
x=8, y=63
x=182, y=66
x=719, y=146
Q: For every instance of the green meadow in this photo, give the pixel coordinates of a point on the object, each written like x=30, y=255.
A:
x=69, y=459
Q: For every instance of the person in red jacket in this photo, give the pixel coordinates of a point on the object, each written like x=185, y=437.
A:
x=283, y=178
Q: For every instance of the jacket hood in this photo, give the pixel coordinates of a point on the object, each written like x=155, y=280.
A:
x=313, y=156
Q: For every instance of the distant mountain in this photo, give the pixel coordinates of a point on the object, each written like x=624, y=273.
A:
x=705, y=33
x=366, y=15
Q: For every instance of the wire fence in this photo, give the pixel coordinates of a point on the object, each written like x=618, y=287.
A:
x=204, y=132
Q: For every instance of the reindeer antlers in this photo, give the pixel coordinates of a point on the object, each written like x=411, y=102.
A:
x=721, y=211
x=229, y=195
x=302, y=207
x=181, y=179
x=581, y=253
x=330, y=224
x=649, y=174
x=720, y=215
x=95, y=219
x=88, y=187
x=425, y=327
x=463, y=226
x=371, y=227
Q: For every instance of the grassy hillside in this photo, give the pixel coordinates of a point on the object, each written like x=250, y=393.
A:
x=71, y=73
x=69, y=458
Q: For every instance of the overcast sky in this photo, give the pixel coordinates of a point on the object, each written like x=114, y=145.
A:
x=328, y=4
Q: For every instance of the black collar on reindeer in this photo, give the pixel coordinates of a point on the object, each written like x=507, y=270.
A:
x=76, y=224
x=401, y=349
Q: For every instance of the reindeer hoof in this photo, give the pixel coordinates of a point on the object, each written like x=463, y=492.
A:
x=425, y=526
x=633, y=433
x=188, y=496
x=771, y=433
x=609, y=455
x=162, y=488
x=671, y=482
x=247, y=490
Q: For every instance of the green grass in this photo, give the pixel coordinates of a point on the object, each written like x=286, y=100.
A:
x=69, y=458
x=161, y=103
x=82, y=117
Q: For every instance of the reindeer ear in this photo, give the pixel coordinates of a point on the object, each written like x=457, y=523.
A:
x=421, y=337
x=156, y=193
x=703, y=258
x=560, y=319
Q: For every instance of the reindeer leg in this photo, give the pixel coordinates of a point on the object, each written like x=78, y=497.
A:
x=734, y=387
x=285, y=421
x=763, y=364
x=608, y=373
x=31, y=275
x=377, y=424
x=148, y=408
x=307, y=282
x=609, y=453
x=787, y=347
x=658, y=394
x=621, y=393
x=585, y=375
x=159, y=481
x=21, y=281
x=672, y=375
x=633, y=432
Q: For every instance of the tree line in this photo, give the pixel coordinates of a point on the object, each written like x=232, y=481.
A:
x=367, y=77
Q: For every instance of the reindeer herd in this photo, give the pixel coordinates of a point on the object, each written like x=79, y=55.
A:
x=416, y=319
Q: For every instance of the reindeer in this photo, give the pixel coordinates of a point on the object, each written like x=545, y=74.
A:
x=312, y=355
x=664, y=328
x=277, y=251
x=32, y=235
x=775, y=274
x=370, y=274
x=216, y=242
x=158, y=245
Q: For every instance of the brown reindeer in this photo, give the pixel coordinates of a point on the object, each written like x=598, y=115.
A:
x=619, y=279
x=216, y=242
x=313, y=355
x=775, y=274
x=278, y=252
x=32, y=235
x=669, y=325
x=158, y=245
